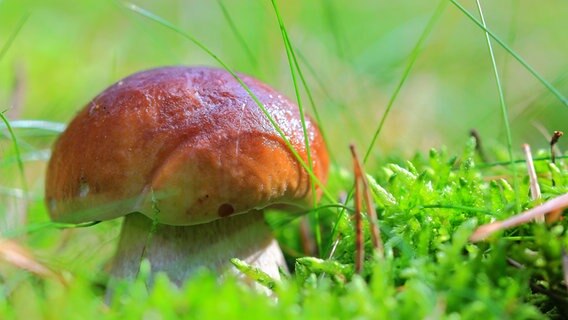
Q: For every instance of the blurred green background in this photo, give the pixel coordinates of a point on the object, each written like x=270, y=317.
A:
x=353, y=54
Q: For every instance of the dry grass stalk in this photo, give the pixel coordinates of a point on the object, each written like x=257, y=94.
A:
x=361, y=181
x=16, y=255
x=359, y=239
x=533, y=180
x=551, y=205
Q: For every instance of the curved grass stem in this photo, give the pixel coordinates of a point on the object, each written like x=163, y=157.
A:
x=503, y=105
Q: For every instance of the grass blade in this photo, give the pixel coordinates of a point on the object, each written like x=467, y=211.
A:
x=351, y=122
x=555, y=204
x=3, y=51
x=50, y=126
x=238, y=35
x=31, y=228
x=16, y=150
x=36, y=155
x=504, y=111
x=293, y=63
x=256, y=274
x=341, y=45
x=359, y=237
x=413, y=56
x=371, y=211
x=13, y=35
x=151, y=16
x=312, y=102
x=517, y=57
x=533, y=178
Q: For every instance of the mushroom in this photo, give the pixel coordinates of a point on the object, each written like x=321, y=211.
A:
x=190, y=160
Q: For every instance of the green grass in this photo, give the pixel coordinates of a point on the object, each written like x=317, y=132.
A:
x=401, y=78
x=295, y=67
x=17, y=153
x=502, y=103
x=430, y=268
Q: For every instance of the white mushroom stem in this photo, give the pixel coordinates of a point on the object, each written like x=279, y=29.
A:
x=179, y=251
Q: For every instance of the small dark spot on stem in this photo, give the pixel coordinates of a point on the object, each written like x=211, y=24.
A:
x=225, y=210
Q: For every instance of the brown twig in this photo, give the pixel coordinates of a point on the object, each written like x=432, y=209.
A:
x=533, y=180
x=478, y=146
x=555, y=137
x=308, y=243
x=551, y=205
x=359, y=245
x=556, y=214
x=371, y=212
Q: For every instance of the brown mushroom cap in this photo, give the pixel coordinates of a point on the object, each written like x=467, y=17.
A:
x=182, y=145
